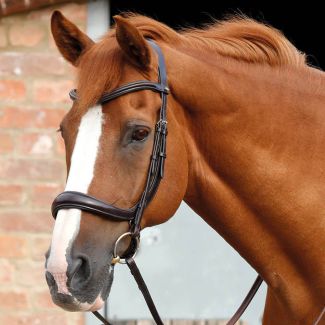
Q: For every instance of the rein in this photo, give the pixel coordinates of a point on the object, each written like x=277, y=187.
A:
x=84, y=202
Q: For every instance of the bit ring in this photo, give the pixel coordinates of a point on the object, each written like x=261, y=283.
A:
x=116, y=258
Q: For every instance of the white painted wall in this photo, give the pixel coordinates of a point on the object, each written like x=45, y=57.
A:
x=98, y=18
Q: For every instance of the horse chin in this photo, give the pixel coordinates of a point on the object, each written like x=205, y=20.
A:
x=69, y=303
x=96, y=305
x=90, y=298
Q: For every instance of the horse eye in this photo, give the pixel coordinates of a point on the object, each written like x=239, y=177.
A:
x=140, y=134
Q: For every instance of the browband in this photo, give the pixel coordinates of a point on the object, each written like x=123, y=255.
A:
x=129, y=88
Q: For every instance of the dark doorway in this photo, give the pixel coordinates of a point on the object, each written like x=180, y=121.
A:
x=302, y=22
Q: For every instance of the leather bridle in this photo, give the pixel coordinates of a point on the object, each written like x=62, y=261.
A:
x=85, y=202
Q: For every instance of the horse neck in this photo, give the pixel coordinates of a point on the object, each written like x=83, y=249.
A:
x=244, y=178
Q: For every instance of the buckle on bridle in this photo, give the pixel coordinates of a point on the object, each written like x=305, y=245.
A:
x=166, y=90
x=161, y=126
x=118, y=259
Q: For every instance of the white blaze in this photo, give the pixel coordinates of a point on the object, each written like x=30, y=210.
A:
x=81, y=173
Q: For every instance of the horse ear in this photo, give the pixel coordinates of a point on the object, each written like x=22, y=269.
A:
x=69, y=39
x=132, y=43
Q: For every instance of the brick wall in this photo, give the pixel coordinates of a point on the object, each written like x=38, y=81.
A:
x=34, y=84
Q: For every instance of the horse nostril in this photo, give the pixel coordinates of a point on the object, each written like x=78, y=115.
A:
x=79, y=272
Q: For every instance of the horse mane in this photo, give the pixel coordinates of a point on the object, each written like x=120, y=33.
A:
x=239, y=37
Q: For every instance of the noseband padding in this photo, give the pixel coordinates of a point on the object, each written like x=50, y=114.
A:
x=84, y=202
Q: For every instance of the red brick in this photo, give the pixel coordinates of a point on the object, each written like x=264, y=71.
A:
x=39, y=246
x=13, y=246
x=43, y=194
x=6, y=143
x=23, y=221
x=53, y=91
x=60, y=146
x=30, y=274
x=75, y=12
x=36, y=144
x=11, y=195
x=12, y=89
x=3, y=37
x=32, y=170
x=42, y=299
x=36, y=318
x=33, y=64
x=16, y=117
x=26, y=34
x=13, y=300
x=6, y=272
x=41, y=14
x=27, y=215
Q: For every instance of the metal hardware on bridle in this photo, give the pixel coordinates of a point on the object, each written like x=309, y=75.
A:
x=85, y=202
x=116, y=257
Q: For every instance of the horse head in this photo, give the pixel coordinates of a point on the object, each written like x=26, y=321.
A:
x=110, y=148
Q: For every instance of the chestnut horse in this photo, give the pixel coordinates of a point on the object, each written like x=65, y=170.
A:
x=245, y=150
